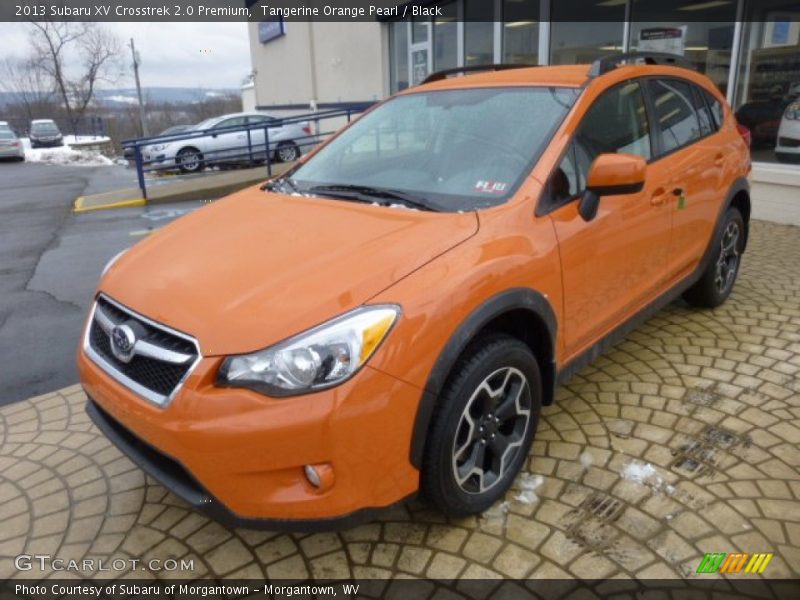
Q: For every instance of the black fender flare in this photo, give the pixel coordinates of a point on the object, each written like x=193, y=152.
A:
x=740, y=185
x=513, y=299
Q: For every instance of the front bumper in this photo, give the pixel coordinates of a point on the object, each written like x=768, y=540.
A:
x=239, y=456
x=173, y=476
x=47, y=143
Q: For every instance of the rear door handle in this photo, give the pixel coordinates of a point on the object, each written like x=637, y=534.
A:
x=719, y=159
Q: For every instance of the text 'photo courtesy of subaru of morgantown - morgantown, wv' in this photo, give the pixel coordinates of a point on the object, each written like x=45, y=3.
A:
x=389, y=316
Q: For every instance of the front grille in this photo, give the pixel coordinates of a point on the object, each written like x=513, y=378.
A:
x=154, y=372
x=788, y=142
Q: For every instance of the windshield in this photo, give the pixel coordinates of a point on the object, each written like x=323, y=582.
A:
x=454, y=149
x=44, y=128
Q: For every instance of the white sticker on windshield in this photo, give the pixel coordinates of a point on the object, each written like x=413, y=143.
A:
x=490, y=187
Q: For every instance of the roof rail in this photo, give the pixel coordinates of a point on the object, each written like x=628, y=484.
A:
x=439, y=75
x=607, y=63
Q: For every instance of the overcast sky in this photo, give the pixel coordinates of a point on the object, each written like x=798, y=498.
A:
x=209, y=55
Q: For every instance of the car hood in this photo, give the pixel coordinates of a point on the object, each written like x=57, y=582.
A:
x=255, y=268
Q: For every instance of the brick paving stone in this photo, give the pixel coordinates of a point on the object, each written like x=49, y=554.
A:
x=706, y=404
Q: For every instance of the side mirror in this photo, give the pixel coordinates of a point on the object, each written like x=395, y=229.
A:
x=611, y=175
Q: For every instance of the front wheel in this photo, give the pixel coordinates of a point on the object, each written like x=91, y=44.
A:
x=716, y=282
x=189, y=160
x=483, y=429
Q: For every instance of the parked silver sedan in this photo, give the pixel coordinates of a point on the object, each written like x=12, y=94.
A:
x=224, y=140
x=11, y=145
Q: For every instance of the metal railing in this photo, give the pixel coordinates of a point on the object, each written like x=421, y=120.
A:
x=248, y=148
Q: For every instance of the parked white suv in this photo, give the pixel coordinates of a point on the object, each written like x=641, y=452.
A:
x=224, y=141
x=788, y=147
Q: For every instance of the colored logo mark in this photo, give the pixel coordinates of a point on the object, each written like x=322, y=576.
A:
x=737, y=562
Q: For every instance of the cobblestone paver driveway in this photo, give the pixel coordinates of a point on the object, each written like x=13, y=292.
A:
x=680, y=441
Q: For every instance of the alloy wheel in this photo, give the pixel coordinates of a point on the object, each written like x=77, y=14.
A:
x=491, y=430
x=189, y=160
x=287, y=153
x=728, y=261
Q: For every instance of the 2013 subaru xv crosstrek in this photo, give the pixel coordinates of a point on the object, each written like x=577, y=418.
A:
x=391, y=314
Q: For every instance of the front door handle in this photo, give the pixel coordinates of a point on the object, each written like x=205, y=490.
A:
x=657, y=199
x=719, y=159
x=677, y=192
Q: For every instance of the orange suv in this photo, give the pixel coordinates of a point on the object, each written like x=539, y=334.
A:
x=391, y=314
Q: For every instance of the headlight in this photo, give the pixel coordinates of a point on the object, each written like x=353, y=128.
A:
x=157, y=147
x=114, y=259
x=793, y=112
x=320, y=358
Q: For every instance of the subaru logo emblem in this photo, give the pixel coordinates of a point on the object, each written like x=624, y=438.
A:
x=123, y=341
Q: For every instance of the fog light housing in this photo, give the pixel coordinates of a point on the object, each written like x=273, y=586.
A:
x=320, y=476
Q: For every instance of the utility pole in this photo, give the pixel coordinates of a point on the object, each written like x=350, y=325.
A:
x=142, y=121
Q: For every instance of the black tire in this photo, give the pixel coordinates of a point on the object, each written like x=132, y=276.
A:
x=717, y=281
x=491, y=360
x=287, y=152
x=189, y=160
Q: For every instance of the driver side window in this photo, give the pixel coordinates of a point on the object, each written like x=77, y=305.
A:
x=616, y=122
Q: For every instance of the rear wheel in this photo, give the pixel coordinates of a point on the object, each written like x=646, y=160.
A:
x=716, y=283
x=288, y=152
x=483, y=429
x=189, y=160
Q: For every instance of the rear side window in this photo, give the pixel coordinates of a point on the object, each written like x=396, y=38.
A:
x=716, y=109
x=616, y=122
x=674, y=113
x=707, y=123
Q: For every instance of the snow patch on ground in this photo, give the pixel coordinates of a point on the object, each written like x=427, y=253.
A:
x=496, y=512
x=638, y=472
x=586, y=459
x=528, y=485
x=646, y=474
x=64, y=155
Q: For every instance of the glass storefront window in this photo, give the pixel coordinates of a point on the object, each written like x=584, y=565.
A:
x=706, y=40
x=419, y=30
x=445, y=38
x=767, y=98
x=521, y=31
x=398, y=56
x=599, y=31
x=478, y=32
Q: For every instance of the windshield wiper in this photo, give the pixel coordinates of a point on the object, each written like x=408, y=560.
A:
x=365, y=193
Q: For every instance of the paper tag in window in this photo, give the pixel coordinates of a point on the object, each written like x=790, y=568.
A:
x=490, y=187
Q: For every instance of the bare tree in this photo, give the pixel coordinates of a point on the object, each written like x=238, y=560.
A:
x=97, y=52
x=29, y=84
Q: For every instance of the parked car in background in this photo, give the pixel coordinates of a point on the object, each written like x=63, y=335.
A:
x=788, y=147
x=129, y=153
x=390, y=315
x=10, y=145
x=45, y=133
x=4, y=126
x=225, y=141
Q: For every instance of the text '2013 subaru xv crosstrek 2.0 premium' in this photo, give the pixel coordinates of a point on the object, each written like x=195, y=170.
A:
x=391, y=314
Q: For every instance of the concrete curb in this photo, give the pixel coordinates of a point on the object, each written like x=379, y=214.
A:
x=209, y=187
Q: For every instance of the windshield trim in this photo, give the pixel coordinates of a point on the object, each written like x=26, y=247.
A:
x=472, y=203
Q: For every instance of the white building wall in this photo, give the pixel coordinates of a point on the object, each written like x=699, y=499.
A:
x=321, y=62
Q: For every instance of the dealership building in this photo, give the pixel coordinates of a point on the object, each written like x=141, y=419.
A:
x=749, y=48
